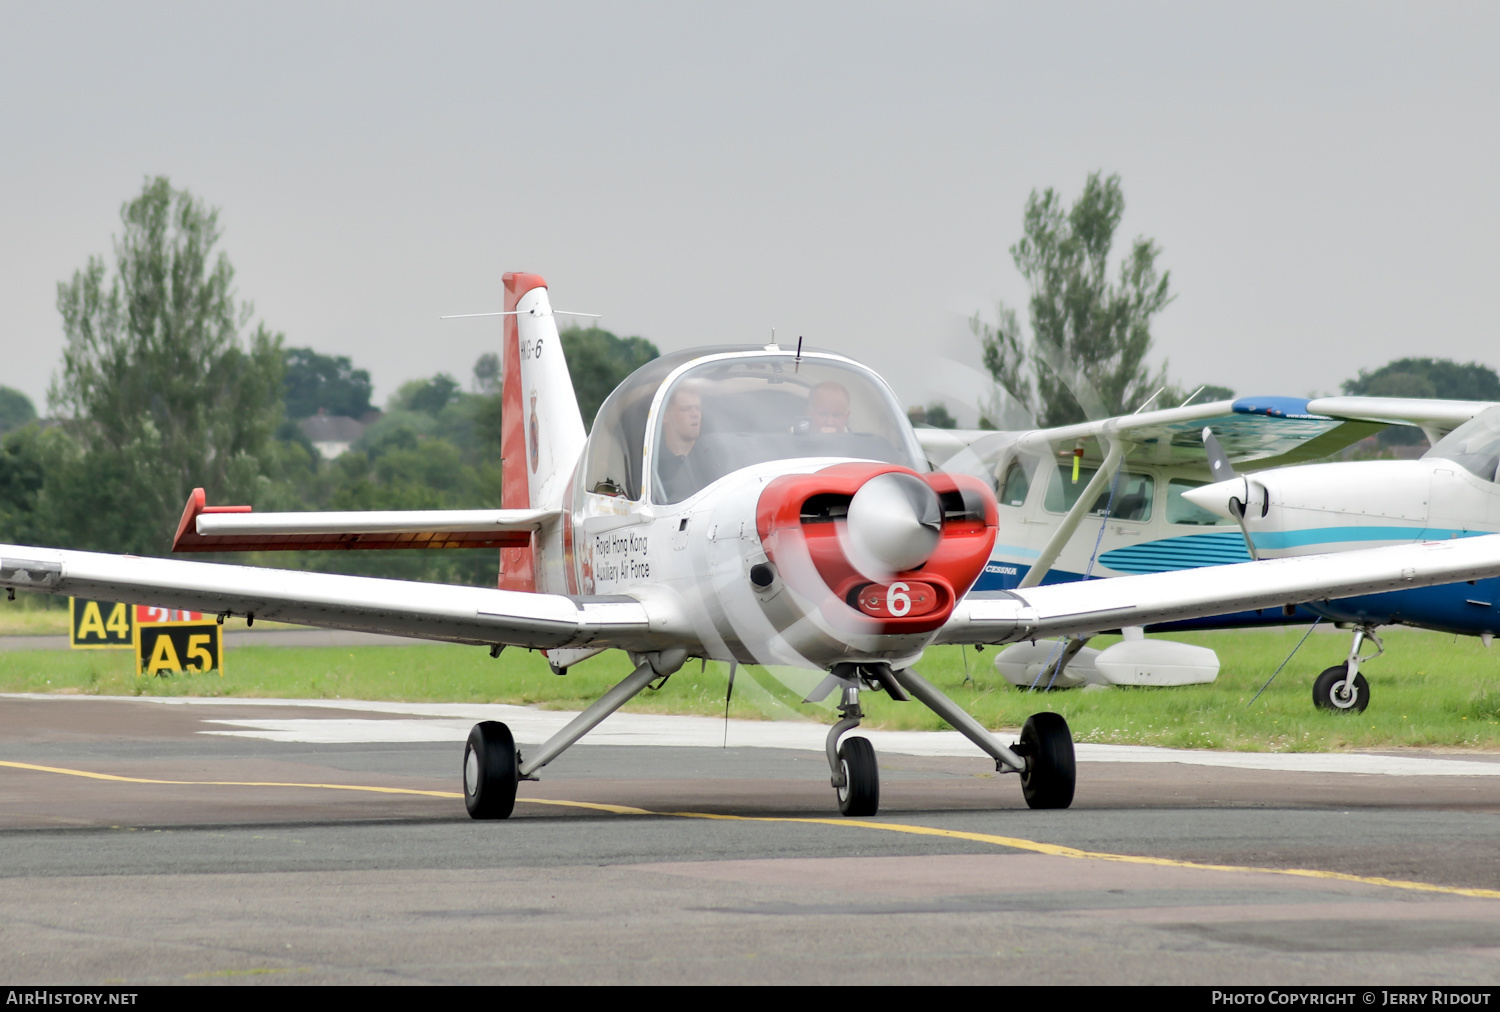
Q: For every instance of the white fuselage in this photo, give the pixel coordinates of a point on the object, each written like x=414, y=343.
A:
x=691, y=561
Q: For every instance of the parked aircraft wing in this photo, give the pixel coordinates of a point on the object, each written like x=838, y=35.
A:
x=1428, y=412
x=1256, y=432
x=1098, y=605
x=403, y=608
x=207, y=528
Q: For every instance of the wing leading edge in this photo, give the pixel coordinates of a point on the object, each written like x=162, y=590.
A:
x=1099, y=605
x=427, y=611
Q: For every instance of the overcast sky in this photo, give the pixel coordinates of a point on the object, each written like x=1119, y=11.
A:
x=1321, y=178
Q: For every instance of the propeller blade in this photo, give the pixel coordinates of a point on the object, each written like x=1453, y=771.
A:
x=1218, y=461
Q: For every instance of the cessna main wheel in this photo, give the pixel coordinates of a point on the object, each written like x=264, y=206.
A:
x=1331, y=691
x=1051, y=772
x=490, y=771
x=860, y=794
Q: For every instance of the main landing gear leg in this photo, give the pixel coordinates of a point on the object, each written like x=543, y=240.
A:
x=493, y=766
x=1341, y=688
x=1043, y=756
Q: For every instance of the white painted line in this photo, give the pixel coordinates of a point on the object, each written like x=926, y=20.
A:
x=450, y=722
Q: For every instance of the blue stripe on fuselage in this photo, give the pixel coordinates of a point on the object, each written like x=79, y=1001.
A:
x=1277, y=540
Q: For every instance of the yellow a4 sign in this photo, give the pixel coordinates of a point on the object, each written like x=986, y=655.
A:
x=101, y=625
x=162, y=648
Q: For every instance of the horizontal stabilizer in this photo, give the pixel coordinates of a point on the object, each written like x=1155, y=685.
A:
x=207, y=528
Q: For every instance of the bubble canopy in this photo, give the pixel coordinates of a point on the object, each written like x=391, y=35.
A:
x=687, y=419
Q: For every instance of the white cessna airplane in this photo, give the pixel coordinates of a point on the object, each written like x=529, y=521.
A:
x=1451, y=493
x=746, y=505
x=1104, y=498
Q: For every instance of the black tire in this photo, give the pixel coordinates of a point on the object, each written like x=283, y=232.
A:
x=860, y=794
x=1051, y=770
x=1325, y=696
x=490, y=772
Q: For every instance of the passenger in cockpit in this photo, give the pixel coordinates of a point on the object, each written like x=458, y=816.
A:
x=680, y=467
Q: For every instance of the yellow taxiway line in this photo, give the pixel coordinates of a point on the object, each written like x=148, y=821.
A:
x=1013, y=842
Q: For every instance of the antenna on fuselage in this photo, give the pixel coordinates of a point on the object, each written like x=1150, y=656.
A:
x=797, y=364
x=517, y=312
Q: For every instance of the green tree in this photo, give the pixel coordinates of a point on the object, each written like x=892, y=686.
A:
x=429, y=395
x=22, y=471
x=487, y=373
x=317, y=382
x=1089, y=336
x=1424, y=377
x=1427, y=377
x=935, y=415
x=16, y=409
x=598, y=361
x=1210, y=392
x=159, y=391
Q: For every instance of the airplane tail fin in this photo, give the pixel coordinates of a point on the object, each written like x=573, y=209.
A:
x=541, y=427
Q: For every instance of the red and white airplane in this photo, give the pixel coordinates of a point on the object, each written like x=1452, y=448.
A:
x=739, y=504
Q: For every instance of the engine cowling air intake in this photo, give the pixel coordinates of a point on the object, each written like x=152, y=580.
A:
x=885, y=549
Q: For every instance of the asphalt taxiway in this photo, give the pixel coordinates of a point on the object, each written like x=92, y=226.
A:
x=151, y=841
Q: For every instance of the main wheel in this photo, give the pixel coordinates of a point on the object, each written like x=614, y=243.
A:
x=1051, y=771
x=1331, y=691
x=860, y=794
x=490, y=771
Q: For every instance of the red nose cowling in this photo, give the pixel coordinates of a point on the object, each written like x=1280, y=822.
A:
x=804, y=514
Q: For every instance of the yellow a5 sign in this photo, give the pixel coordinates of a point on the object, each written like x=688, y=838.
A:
x=165, y=647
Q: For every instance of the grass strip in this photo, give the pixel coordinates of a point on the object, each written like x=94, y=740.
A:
x=1429, y=690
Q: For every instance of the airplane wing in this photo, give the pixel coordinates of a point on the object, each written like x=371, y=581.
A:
x=1256, y=432
x=1099, y=605
x=1439, y=416
x=205, y=528
x=475, y=615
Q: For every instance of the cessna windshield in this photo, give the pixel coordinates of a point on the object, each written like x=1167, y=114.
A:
x=733, y=412
x=1474, y=445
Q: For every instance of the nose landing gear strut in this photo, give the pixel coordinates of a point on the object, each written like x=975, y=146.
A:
x=1341, y=688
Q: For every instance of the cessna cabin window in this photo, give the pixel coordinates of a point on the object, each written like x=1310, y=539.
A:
x=1473, y=446
x=1016, y=487
x=732, y=413
x=1133, y=493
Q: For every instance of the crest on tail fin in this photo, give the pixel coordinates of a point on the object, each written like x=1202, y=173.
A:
x=541, y=428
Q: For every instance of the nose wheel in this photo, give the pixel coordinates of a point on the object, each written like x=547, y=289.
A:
x=859, y=794
x=1335, y=691
x=856, y=778
x=1341, y=688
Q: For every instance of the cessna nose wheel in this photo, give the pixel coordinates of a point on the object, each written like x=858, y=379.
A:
x=1332, y=691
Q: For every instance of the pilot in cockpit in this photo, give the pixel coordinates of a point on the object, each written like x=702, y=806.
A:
x=827, y=409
